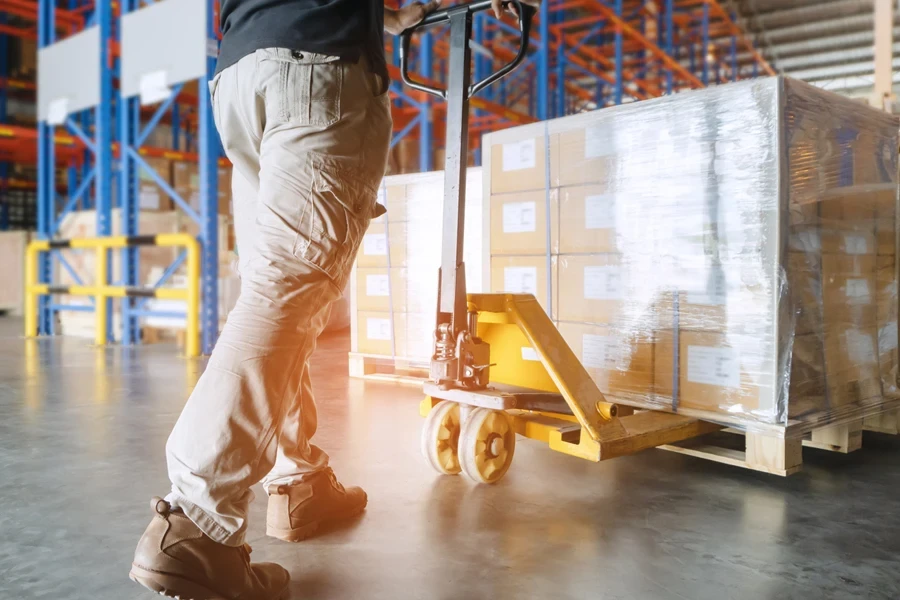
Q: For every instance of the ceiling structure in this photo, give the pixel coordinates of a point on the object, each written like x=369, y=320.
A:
x=829, y=43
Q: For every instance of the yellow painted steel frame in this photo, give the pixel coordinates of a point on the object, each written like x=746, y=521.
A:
x=100, y=291
x=528, y=351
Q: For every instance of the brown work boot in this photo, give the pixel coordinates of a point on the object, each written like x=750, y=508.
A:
x=296, y=511
x=174, y=558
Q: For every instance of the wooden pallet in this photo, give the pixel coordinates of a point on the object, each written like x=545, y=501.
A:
x=385, y=368
x=157, y=335
x=770, y=453
x=888, y=422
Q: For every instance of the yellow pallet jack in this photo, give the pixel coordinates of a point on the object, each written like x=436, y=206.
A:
x=485, y=386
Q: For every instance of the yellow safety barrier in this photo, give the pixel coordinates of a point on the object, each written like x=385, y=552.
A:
x=101, y=291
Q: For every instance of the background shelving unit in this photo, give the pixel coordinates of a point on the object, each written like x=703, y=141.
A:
x=587, y=54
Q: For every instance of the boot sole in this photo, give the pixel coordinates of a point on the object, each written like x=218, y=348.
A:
x=307, y=531
x=173, y=586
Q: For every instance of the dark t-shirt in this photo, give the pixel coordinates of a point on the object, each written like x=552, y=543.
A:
x=345, y=28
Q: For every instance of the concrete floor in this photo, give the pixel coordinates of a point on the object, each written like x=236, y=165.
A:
x=82, y=433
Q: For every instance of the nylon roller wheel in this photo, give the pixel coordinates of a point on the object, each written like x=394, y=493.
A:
x=486, y=445
x=440, y=438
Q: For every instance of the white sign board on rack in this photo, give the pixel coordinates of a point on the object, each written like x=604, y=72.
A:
x=69, y=76
x=163, y=44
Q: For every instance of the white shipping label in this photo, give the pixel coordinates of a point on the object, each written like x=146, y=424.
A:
x=860, y=347
x=715, y=294
x=520, y=155
x=599, y=351
x=887, y=338
x=378, y=329
x=855, y=244
x=378, y=285
x=149, y=199
x=529, y=353
x=603, y=283
x=857, y=291
x=520, y=280
x=600, y=211
x=714, y=366
x=375, y=244
x=519, y=217
x=598, y=142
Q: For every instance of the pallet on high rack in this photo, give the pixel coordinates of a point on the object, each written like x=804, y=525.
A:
x=725, y=254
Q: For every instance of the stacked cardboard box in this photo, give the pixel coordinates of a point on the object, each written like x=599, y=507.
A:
x=728, y=252
x=186, y=181
x=394, y=284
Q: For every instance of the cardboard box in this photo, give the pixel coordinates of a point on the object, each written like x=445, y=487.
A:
x=587, y=215
x=602, y=289
x=804, y=278
x=807, y=392
x=886, y=221
x=393, y=198
x=224, y=190
x=373, y=251
x=376, y=291
x=525, y=275
x=586, y=155
x=886, y=298
x=716, y=298
x=848, y=290
x=412, y=335
x=151, y=197
x=521, y=165
x=519, y=223
x=410, y=290
x=887, y=357
x=186, y=181
x=720, y=373
x=381, y=333
x=620, y=362
x=852, y=364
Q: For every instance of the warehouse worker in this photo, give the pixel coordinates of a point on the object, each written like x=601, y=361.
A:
x=300, y=101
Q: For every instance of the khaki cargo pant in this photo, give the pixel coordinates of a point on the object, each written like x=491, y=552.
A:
x=308, y=136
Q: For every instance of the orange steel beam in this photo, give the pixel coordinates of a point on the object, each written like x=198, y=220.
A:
x=27, y=34
x=674, y=65
x=16, y=84
x=29, y=10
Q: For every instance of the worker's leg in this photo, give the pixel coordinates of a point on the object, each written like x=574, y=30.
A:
x=296, y=456
x=323, y=140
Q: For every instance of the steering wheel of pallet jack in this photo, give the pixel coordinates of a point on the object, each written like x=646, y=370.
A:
x=440, y=438
x=486, y=445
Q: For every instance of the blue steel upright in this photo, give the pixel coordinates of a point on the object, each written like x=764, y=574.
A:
x=46, y=191
x=209, y=145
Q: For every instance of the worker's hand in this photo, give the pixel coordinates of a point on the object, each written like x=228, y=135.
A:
x=498, y=6
x=398, y=21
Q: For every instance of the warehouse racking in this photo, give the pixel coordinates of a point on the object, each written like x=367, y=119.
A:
x=587, y=54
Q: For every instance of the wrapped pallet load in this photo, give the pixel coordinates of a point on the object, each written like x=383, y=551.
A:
x=727, y=253
x=394, y=284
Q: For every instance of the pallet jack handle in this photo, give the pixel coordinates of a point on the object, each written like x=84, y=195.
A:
x=526, y=14
x=460, y=358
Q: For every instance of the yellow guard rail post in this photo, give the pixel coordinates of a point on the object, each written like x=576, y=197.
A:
x=101, y=291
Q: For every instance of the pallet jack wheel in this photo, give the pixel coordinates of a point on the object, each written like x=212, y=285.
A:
x=440, y=438
x=486, y=445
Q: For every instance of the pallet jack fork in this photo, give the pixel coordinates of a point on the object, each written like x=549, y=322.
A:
x=500, y=367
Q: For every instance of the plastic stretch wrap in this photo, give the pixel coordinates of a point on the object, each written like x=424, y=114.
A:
x=728, y=252
x=394, y=290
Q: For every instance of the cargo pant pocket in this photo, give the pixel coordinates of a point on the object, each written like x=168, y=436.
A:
x=333, y=222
